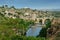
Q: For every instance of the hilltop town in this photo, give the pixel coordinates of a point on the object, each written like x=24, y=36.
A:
x=24, y=13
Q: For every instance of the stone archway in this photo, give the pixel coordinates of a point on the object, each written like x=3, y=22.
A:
x=46, y=20
x=40, y=21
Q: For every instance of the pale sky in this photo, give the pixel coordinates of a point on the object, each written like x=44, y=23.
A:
x=34, y=4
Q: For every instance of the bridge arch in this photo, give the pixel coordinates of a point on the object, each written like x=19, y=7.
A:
x=40, y=21
x=46, y=20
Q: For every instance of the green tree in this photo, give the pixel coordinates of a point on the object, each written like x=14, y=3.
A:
x=43, y=32
x=48, y=23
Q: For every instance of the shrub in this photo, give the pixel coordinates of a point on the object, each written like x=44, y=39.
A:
x=43, y=32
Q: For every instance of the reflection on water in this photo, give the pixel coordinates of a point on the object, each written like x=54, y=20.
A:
x=33, y=31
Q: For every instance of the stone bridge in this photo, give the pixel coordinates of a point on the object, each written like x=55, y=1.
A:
x=42, y=20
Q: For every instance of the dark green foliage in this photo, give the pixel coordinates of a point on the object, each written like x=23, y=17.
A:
x=43, y=32
x=1, y=14
x=16, y=38
x=26, y=38
x=48, y=23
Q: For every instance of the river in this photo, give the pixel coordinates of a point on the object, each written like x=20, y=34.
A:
x=34, y=30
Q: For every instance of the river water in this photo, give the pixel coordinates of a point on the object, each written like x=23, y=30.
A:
x=34, y=30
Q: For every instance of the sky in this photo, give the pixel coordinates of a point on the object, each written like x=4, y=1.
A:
x=34, y=4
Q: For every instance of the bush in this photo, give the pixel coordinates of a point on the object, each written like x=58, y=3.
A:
x=43, y=32
x=48, y=23
x=26, y=38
